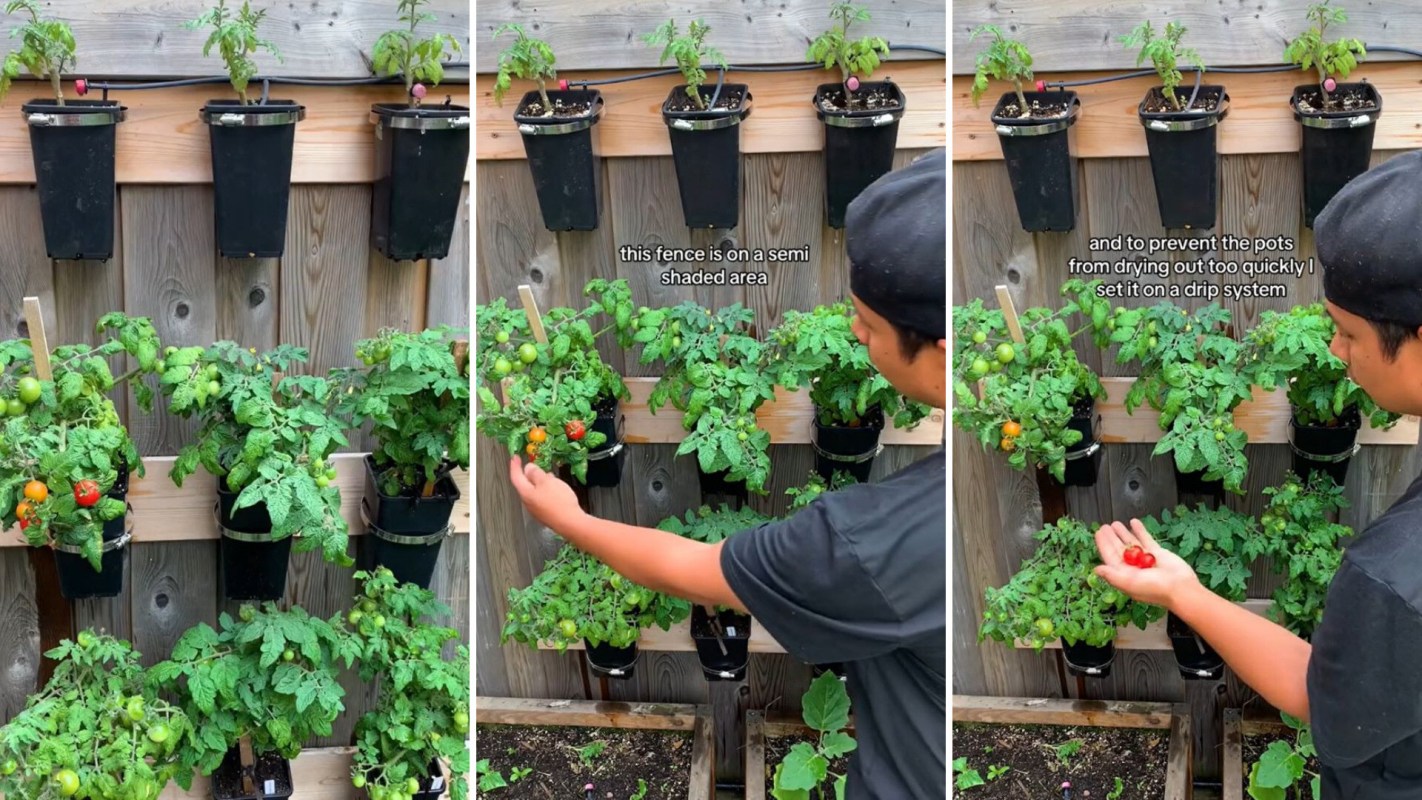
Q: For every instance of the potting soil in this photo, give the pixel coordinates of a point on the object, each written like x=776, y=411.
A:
x=879, y=98
x=1039, y=110
x=1041, y=757
x=560, y=770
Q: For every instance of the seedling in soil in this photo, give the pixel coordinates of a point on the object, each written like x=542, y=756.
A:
x=527, y=58
x=1280, y=769
x=236, y=39
x=1006, y=60
x=641, y=790
x=399, y=52
x=690, y=52
x=967, y=778
x=1117, y=790
x=1310, y=50
x=803, y=770
x=1165, y=52
x=836, y=49
x=1066, y=750
x=996, y=771
x=46, y=49
x=589, y=753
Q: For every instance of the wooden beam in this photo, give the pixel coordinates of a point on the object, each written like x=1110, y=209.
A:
x=1232, y=758
x=1154, y=636
x=584, y=713
x=782, y=118
x=163, y=512
x=1259, y=118
x=1042, y=711
x=1178, y=783
x=677, y=639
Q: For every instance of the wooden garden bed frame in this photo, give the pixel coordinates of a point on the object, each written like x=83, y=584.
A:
x=1238, y=725
x=763, y=725
x=638, y=716
x=1174, y=717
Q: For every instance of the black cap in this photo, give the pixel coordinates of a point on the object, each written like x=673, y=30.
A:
x=896, y=233
x=1369, y=240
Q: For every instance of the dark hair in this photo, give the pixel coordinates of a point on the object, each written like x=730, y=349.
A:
x=1393, y=335
x=912, y=340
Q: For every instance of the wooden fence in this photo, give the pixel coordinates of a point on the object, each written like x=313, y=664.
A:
x=997, y=509
x=782, y=206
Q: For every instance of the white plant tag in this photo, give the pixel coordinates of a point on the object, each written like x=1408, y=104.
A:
x=731, y=631
x=437, y=784
x=269, y=788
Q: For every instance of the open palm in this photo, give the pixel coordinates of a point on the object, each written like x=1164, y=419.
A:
x=1156, y=585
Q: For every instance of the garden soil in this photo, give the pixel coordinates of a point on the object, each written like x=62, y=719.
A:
x=661, y=758
x=776, y=748
x=1138, y=756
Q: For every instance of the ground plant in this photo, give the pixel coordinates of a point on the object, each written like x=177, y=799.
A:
x=804, y=773
x=834, y=48
x=402, y=52
x=46, y=51
x=1281, y=772
x=236, y=39
x=528, y=59
x=690, y=52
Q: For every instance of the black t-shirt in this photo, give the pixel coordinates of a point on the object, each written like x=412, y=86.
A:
x=858, y=577
x=1365, y=673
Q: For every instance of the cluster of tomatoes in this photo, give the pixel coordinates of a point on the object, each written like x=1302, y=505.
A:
x=1136, y=556
x=86, y=495
x=517, y=361
x=27, y=394
x=1002, y=355
x=1010, y=431
x=575, y=430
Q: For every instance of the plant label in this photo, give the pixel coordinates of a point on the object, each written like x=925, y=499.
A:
x=269, y=787
x=730, y=630
x=437, y=784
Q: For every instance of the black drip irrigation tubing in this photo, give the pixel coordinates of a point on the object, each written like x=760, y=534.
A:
x=106, y=86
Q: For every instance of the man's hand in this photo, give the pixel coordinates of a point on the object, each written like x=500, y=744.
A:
x=550, y=500
x=1158, y=585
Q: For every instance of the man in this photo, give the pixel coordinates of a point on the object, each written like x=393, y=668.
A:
x=1360, y=681
x=858, y=575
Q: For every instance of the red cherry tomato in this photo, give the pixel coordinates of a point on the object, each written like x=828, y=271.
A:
x=86, y=493
x=1133, y=555
x=575, y=430
x=1146, y=561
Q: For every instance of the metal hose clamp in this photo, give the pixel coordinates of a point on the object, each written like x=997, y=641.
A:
x=416, y=540
x=854, y=459
x=233, y=119
x=716, y=123
x=422, y=124
x=1328, y=123
x=1335, y=458
x=613, y=671
x=1085, y=452
x=599, y=455
x=40, y=119
x=240, y=536
x=875, y=121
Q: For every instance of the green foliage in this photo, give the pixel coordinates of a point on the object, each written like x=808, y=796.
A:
x=236, y=39
x=802, y=496
x=1055, y=594
x=1219, y=544
x=1067, y=750
x=71, y=431
x=1278, y=773
x=238, y=682
x=712, y=527
x=1005, y=60
x=270, y=443
x=527, y=58
x=400, y=52
x=1036, y=389
x=803, y=773
x=690, y=52
x=966, y=777
x=564, y=384
x=1291, y=349
x=834, y=48
x=96, y=718
x=1304, y=546
x=1311, y=49
x=1165, y=52
x=598, y=605
x=46, y=49
x=422, y=712
x=491, y=779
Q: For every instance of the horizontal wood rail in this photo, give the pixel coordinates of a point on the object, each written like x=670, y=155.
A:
x=678, y=640
x=1044, y=711
x=163, y=512
x=1153, y=637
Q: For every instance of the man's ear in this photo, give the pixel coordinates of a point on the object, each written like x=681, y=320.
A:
x=943, y=345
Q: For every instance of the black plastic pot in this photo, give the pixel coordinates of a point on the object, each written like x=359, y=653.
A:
x=73, y=149
x=251, y=174
x=1319, y=448
x=735, y=634
x=717, y=483
x=1083, y=459
x=1093, y=662
x=567, y=173
x=1183, y=157
x=420, y=157
x=706, y=147
x=428, y=790
x=1337, y=145
x=253, y=565
x=1195, y=483
x=1196, y=659
x=834, y=666
x=407, y=530
x=612, y=662
x=605, y=462
x=859, y=143
x=1040, y=165
x=227, y=778
x=77, y=578
x=852, y=450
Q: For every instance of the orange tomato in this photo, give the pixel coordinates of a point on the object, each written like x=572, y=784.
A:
x=1010, y=428
x=1008, y=445
x=36, y=491
x=25, y=510
x=537, y=435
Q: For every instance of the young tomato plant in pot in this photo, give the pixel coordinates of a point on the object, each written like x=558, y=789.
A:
x=1036, y=401
x=268, y=444
x=861, y=118
x=578, y=598
x=1338, y=119
x=560, y=402
x=251, y=140
x=256, y=690
x=421, y=718
x=557, y=128
x=95, y=731
x=1327, y=408
x=1180, y=129
x=1057, y=595
x=420, y=150
x=1304, y=546
x=705, y=128
x=1219, y=545
x=852, y=399
x=1033, y=129
x=805, y=771
x=65, y=456
x=722, y=635
x=418, y=399
x=72, y=141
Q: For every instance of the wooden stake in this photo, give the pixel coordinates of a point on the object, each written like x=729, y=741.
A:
x=530, y=307
x=1014, y=326
x=55, y=618
x=39, y=343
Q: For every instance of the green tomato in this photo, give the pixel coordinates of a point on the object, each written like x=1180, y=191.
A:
x=66, y=781
x=379, y=793
x=378, y=620
x=16, y=407
x=354, y=617
x=502, y=337
x=213, y=388
x=676, y=341
x=212, y=372
x=1045, y=628
x=461, y=720
x=10, y=766
x=134, y=709
x=367, y=606
x=29, y=390
x=979, y=337
x=519, y=366
x=288, y=655
x=1152, y=342
x=322, y=481
x=1219, y=436
x=568, y=628
x=980, y=367
x=527, y=353
x=358, y=781
x=742, y=436
x=247, y=614
x=502, y=366
x=996, y=366
x=412, y=785
x=1006, y=353
x=158, y=734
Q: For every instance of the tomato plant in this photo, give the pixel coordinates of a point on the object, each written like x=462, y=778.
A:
x=1165, y=52
x=1310, y=49
x=805, y=769
x=400, y=52
x=95, y=730
x=46, y=49
x=1282, y=766
x=1004, y=59
x=816, y=485
x=835, y=49
x=235, y=36
x=528, y=59
x=1304, y=546
x=1219, y=544
x=690, y=52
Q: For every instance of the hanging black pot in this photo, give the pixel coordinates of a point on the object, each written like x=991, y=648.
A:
x=254, y=562
x=1183, y=155
x=567, y=174
x=1037, y=151
x=1093, y=662
x=73, y=147
x=421, y=154
x=860, y=142
x=1195, y=483
x=719, y=483
x=1083, y=459
x=606, y=460
x=77, y=578
x=406, y=530
x=1337, y=145
x=251, y=174
x=840, y=447
x=1319, y=448
x=432, y=786
x=271, y=775
x=706, y=147
x=734, y=630
x=612, y=662
x=835, y=667
x=1195, y=658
